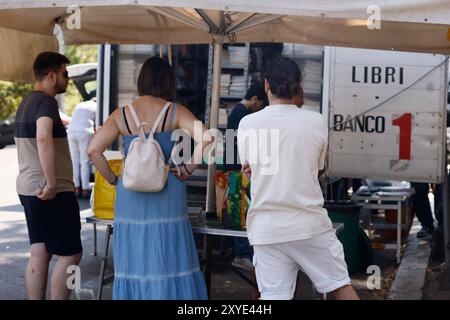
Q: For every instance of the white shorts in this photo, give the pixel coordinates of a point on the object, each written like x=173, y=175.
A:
x=320, y=257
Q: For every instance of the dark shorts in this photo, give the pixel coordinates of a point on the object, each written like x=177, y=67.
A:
x=56, y=223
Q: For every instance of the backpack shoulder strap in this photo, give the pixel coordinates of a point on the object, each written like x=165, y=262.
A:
x=159, y=118
x=134, y=115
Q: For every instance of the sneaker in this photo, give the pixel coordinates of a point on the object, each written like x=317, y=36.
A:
x=243, y=263
x=425, y=232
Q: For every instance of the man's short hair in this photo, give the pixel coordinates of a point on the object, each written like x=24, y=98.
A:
x=46, y=62
x=284, y=76
x=256, y=89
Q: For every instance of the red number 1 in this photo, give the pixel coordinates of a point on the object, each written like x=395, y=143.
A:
x=405, y=124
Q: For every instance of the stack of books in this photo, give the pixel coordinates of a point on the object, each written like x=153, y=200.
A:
x=238, y=86
x=223, y=117
x=295, y=50
x=225, y=82
x=237, y=55
x=128, y=71
x=225, y=57
x=312, y=77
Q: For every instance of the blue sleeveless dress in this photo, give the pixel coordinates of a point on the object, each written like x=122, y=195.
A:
x=155, y=256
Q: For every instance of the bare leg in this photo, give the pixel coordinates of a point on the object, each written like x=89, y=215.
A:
x=346, y=293
x=59, y=289
x=37, y=272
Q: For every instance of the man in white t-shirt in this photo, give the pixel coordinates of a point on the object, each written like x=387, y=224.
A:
x=80, y=131
x=284, y=148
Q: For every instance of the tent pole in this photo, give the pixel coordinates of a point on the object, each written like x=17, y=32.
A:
x=59, y=35
x=169, y=53
x=213, y=119
x=445, y=190
x=107, y=68
x=445, y=212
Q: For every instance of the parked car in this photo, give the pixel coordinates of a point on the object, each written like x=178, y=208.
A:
x=7, y=129
x=448, y=118
x=6, y=132
x=84, y=78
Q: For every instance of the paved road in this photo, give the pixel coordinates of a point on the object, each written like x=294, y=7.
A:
x=14, y=251
x=14, y=246
x=13, y=232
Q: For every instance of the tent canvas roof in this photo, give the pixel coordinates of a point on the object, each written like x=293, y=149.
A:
x=410, y=25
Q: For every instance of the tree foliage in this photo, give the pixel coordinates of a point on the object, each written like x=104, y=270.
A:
x=77, y=54
x=11, y=93
x=81, y=53
x=10, y=96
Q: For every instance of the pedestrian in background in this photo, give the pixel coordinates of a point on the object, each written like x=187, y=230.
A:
x=253, y=101
x=423, y=209
x=80, y=131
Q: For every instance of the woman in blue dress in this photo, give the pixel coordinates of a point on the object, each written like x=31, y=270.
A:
x=154, y=250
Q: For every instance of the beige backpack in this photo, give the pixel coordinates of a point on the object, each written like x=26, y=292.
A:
x=145, y=169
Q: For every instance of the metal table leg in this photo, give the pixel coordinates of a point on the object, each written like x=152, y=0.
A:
x=399, y=230
x=207, y=263
x=103, y=263
x=95, y=239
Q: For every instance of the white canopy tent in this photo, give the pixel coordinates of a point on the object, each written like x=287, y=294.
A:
x=410, y=25
x=18, y=50
x=405, y=25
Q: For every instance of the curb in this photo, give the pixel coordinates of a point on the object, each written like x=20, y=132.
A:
x=411, y=274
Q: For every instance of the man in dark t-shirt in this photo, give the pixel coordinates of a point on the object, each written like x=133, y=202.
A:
x=44, y=184
x=253, y=101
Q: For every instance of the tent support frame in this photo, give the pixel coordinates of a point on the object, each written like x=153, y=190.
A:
x=215, y=100
x=250, y=23
x=213, y=28
x=173, y=14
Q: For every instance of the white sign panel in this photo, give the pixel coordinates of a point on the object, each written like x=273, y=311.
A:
x=387, y=114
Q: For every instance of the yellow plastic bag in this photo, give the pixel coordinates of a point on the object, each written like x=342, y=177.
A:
x=105, y=193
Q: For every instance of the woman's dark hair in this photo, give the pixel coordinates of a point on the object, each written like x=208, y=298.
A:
x=156, y=78
x=46, y=62
x=284, y=77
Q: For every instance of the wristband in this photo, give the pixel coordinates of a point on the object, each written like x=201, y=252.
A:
x=51, y=189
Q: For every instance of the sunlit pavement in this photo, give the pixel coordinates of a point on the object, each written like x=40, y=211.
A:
x=14, y=252
x=14, y=246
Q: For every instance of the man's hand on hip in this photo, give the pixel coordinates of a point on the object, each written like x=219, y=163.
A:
x=46, y=194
